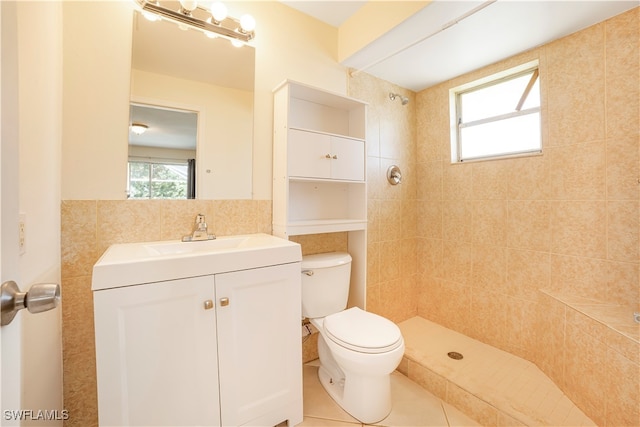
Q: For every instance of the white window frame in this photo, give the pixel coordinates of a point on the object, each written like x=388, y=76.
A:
x=155, y=161
x=456, y=113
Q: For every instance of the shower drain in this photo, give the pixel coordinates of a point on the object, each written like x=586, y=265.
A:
x=455, y=355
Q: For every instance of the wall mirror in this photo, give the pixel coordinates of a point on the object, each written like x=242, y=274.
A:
x=182, y=74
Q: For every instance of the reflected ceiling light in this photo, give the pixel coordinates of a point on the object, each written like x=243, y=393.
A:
x=210, y=21
x=139, y=128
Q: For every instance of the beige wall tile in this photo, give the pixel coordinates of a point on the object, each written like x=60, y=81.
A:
x=489, y=180
x=457, y=182
x=529, y=225
x=235, y=217
x=489, y=267
x=579, y=228
x=577, y=172
x=428, y=379
x=579, y=275
x=125, y=221
x=622, y=397
x=178, y=217
x=477, y=409
x=489, y=222
x=78, y=237
x=585, y=372
x=429, y=177
x=622, y=64
x=527, y=271
x=575, y=87
x=430, y=221
x=623, y=168
x=457, y=262
x=528, y=178
x=622, y=230
x=429, y=258
x=457, y=220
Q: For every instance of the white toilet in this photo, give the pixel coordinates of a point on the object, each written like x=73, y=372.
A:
x=358, y=350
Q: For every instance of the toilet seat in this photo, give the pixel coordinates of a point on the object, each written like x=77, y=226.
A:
x=361, y=331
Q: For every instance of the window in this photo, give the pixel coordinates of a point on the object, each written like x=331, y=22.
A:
x=159, y=180
x=498, y=116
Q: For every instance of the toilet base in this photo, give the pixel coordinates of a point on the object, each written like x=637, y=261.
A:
x=364, y=397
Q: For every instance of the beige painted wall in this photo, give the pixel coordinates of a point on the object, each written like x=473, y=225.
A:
x=95, y=109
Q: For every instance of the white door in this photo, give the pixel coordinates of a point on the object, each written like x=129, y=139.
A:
x=9, y=193
x=31, y=355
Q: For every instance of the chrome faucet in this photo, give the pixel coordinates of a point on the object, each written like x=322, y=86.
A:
x=200, y=231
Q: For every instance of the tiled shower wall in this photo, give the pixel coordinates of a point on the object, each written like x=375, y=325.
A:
x=490, y=234
x=391, y=229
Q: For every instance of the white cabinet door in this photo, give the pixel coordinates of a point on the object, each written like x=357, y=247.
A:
x=347, y=159
x=317, y=155
x=156, y=354
x=258, y=313
x=309, y=154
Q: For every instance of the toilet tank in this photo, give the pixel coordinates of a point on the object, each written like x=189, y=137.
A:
x=325, y=283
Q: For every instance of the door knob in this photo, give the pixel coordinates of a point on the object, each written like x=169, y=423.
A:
x=41, y=297
x=224, y=302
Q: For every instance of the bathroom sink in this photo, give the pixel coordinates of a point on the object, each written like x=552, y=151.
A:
x=179, y=247
x=129, y=264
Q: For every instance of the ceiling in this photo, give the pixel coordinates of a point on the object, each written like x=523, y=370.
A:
x=449, y=38
x=168, y=128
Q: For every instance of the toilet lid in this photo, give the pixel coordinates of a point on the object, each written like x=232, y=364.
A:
x=362, y=331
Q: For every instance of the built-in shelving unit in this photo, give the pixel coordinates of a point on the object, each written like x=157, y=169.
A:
x=319, y=170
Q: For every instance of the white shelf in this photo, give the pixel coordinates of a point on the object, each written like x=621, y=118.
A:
x=319, y=171
x=298, y=228
x=340, y=135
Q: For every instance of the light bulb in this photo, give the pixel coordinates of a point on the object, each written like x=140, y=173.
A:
x=188, y=5
x=237, y=43
x=218, y=11
x=150, y=16
x=247, y=23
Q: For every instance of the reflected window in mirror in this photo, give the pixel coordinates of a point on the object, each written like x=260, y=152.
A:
x=162, y=150
x=161, y=179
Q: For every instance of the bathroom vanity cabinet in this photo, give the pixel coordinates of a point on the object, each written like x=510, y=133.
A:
x=219, y=349
x=319, y=170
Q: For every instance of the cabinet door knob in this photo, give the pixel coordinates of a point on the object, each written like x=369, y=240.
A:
x=224, y=302
x=208, y=304
x=327, y=156
x=335, y=156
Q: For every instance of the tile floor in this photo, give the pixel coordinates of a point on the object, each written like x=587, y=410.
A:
x=412, y=405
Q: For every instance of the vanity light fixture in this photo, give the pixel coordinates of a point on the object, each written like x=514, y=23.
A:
x=212, y=21
x=139, y=128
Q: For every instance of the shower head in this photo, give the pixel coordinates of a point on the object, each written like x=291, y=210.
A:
x=403, y=99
